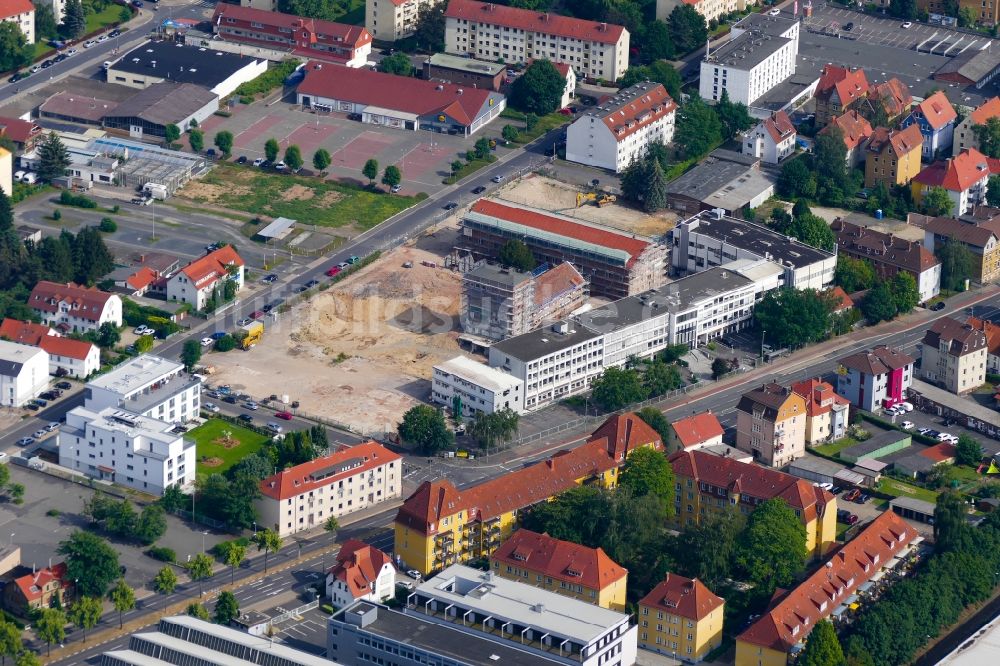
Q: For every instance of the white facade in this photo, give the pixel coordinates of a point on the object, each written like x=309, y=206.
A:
x=24, y=373
x=125, y=448
x=752, y=62
x=72, y=365
x=22, y=14
x=760, y=143
x=197, y=282
x=6, y=171
x=480, y=387
x=76, y=309
x=148, y=385
x=710, y=9
x=384, y=587
x=389, y=20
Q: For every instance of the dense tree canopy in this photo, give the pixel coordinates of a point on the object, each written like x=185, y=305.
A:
x=854, y=274
x=659, y=71
x=822, y=647
x=516, y=254
x=647, y=472
x=795, y=317
x=91, y=562
x=429, y=31
x=539, y=89
x=424, y=427
x=772, y=548
x=617, y=388
x=698, y=128
x=956, y=265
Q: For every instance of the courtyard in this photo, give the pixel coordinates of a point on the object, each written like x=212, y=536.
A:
x=221, y=444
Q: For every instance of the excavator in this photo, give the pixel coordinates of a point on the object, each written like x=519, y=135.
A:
x=599, y=198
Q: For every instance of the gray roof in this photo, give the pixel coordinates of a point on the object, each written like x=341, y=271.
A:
x=165, y=103
x=765, y=23
x=720, y=175
x=544, y=341
x=470, y=65
x=623, y=97
x=495, y=272
x=972, y=64
x=756, y=238
x=747, y=50
x=913, y=503
x=875, y=443
x=182, y=64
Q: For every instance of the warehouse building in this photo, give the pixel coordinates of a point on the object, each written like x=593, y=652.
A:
x=155, y=62
x=148, y=112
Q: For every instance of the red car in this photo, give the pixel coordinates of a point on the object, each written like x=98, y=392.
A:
x=287, y=416
x=853, y=495
x=333, y=270
x=257, y=314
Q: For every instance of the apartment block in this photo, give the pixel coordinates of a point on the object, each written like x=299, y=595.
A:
x=875, y=379
x=856, y=131
x=203, y=278
x=477, y=388
x=893, y=156
x=710, y=9
x=839, y=89
x=22, y=14
x=67, y=357
x=981, y=237
x=953, y=355
x=760, y=53
x=965, y=130
x=772, y=140
x=936, y=118
x=707, y=483
x=563, y=567
x=490, y=31
x=964, y=177
x=681, y=617
x=24, y=373
x=362, y=573
x=391, y=20
x=771, y=424
x=147, y=385
x=74, y=308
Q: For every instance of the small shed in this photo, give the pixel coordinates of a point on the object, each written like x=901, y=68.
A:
x=877, y=446
x=277, y=229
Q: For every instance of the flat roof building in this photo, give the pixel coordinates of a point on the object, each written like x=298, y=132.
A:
x=155, y=62
x=149, y=111
x=148, y=385
x=477, y=387
x=465, y=71
x=724, y=180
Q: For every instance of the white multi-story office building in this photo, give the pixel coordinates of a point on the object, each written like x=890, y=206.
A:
x=490, y=31
x=479, y=387
x=120, y=446
x=711, y=239
x=24, y=373
x=150, y=386
x=760, y=54
x=620, y=130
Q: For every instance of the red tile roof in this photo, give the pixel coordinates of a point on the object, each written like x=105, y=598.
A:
x=19, y=131
x=211, y=267
x=637, y=110
x=556, y=281
x=894, y=96
x=67, y=347
x=854, y=127
x=939, y=453
x=849, y=85
x=534, y=21
x=87, y=302
x=31, y=585
x=991, y=330
x=878, y=361
x=358, y=566
x=902, y=141
x=684, y=597
x=604, y=450
x=400, y=93
x=24, y=332
x=561, y=560
x=936, y=110
x=349, y=461
x=820, y=396
x=696, y=429
x=791, y=619
x=340, y=34
x=988, y=109
x=779, y=126
x=142, y=278
x=958, y=173
x=844, y=302
x=751, y=481
x=882, y=248
x=562, y=226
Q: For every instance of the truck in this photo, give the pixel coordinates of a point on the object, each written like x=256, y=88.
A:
x=156, y=190
x=252, y=334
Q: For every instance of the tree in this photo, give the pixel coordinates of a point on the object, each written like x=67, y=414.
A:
x=235, y=557
x=516, y=254
x=197, y=140
x=655, y=419
x=968, y=451
x=903, y=9
x=321, y=159
x=74, y=22
x=144, y=344
x=707, y=549
x=482, y=148
x=171, y=133
x=904, y=292
x=331, y=526
x=854, y=274
x=293, y=158
x=795, y=317
x=993, y=190
x=199, y=568
x=123, y=598
x=988, y=135
x=224, y=142
x=687, y=29
x=657, y=43
x=165, y=581
x=735, y=117
x=806, y=228
x=539, y=89
x=772, y=548
x=495, y=428
x=90, y=561
x=91, y=257
x=51, y=627
x=151, y=524
x=392, y=176
x=370, y=171
x=698, y=128
x=53, y=158
x=720, y=367
x=27, y=658
x=227, y=608
x=956, y=265
x=271, y=149
x=398, y=64
x=949, y=519
x=530, y=121
x=268, y=541
x=833, y=180
x=232, y=500
x=199, y=611
x=86, y=613
x=4, y=475
x=617, y=388
x=428, y=33
x=509, y=133
x=936, y=202
x=424, y=427
x=648, y=472
x=108, y=335
x=656, y=191
x=879, y=304
x=659, y=378
x=822, y=647
x=797, y=178
x=191, y=354
x=46, y=25
x=658, y=72
x=10, y=641
x=15, y=51
x=456, y=166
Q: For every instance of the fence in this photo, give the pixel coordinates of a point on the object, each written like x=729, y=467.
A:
x=295, y=612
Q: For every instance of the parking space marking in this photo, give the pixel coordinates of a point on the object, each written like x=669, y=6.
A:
x=258, y=129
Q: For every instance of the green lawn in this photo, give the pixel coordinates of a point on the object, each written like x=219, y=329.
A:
x=545, y=123
x=42, y=48
x=469, y=168
x=833, y=448
x=902, y=489
x=207, y=435
x=97, y=20
x=354, y=12
x=313, y=201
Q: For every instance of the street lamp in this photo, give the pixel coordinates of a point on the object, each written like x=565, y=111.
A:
x=203, y=540
x=255, y=528
x=762, y=332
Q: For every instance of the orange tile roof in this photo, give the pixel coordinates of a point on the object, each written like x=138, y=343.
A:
x=790, y=620
x=67, y=347
x=936, y=110
x=844, y=302
x=779, y=126
x=958, y=173
x=561, y=560
x=850, y=85
x=627, y=118
x=19, y=131
x=697, y=428
x=820, y=396
x=358, y=566
x=902, y=141
x=88, y=302
x=894, y=96
x=348, y=461
x=142, y=278
x=939, y=453
x=31, y=585
x=24, y=332
x=212, y=266
x=534, y=21
x=991, y=330
x=557, y=281
x=988, y=109
x=684, y=597
x=853, y=126
x=605, y=449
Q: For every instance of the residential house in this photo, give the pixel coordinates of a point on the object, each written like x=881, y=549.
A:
x=839, y=88
x=953, y=355
x=391, y=20
x=889, y=255
x=856, y=130
x=75, y=358
x=710, y=9
x=888, y=101
x=936, y=118
x=197, y=282
x=37, y=589
x=22, y=14
x=569, y=92
x=707, y=483
x=784, y=628
x=73, y=308
x=875, y=379
x=893, y=156
x=965, y=131
x=24, y=373
x=842, y=302
x=362, y=573
x=694, y=432
x=133, y=281
x=682, y=618
x=771, y=424
x=563, y=567
x=772, y=140
x=23, y=133
x=826, y=412
x=440, y=525
x=963, y=177
x=980, y=237
x=992, y=332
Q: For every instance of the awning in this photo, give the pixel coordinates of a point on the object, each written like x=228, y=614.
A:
x=864, y=587
x=918, y=539
x=390, y=113
x=878, y=576
x=839, y=610
x=891, y=564
x=851, y=599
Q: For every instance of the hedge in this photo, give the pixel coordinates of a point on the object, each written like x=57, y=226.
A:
x=162, y=554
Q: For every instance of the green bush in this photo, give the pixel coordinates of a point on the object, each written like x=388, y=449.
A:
x=53, y=513
x=57, y=215
x=108, y=225
x=162, y=554
x=225, y=343
x=221, y=549
x=268, y=81
x=67, y=198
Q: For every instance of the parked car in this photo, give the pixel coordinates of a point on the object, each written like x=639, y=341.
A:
x=938, y=306
x=211, y=407
x=30, y=178
x=774, y=12
x=102, y=39
x=906, y=406
x=451, y=205
x=114, y=33
x=853, y=495
x=395, y=188
x=353, y=259
x=279, y=166
x=257, y=314
x=257, y=162
x=332, y=271
x=251, y=405
x=231, y=399
x=242, y=159
x=906, y=425
x=923, y=431
x=848, y=26
x=497, y=179
x=64, y=386
x=207, y=342
x=218, y=335
x=246, y=418
x=906, y=25
x=40, y=434
x=479, y=189
x=944, y=436
x=311, y=284
x=142, y=329
x=274, y=427
x=269, y=279
x=244, y=321
x=862, y=498
x=89, y=43
x=414, y=574
x=285, y=416
x=25, y=441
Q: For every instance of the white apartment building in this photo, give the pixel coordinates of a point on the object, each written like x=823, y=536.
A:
x=772, y=140
x=22, y=14
x=362, y=573
x=479, y=387
x=24, y=373
x=148, y=385
x=611, y=136
x=268, y=5
x=953, y=355
x=73, y=358
x=389, y=20
x=303, y=497
x=197, y=282
x=760, y=54
x=489, y=31
x=710, y=9
x=712, y=239
x=73, y=308
x=123, y=447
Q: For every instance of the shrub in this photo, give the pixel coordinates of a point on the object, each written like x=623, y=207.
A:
x=53, y=513
x=67, y=198
x=225, y=343
x=221, y=549
x=108, y=225
x=57, y=215
x=115, y=208
x=162, y=554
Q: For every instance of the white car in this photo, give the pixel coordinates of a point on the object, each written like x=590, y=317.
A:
x=906, y=425
x=3, y=457
x=41, y=434
x=906, y=25
x=774, y=12
x=71, y=52
x=945, y=436
x=211, y=407
x=257, y=162
x=52, y=426
x=89, y=43
x=18, y=175
x=141, y=329
x=30, y=178
x=905, y=406
x=414, y=574
x=207, y=342
x=102, y=39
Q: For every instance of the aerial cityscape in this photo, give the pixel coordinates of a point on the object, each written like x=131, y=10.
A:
x=532, y=332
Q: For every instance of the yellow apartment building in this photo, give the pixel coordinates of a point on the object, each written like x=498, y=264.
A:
x=893, y=156
x=682, y=618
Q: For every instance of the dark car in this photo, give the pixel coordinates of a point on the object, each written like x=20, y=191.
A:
x=242, y=159
x=848, y=26
x=60, y=57
x=218, y=335
x=47, y=64
x=17, y=77
x=354, y=116
x=938, y=306
x=311, y=284
x=114, y=33
x=64, y=386
x=211, y=153
x=276, y=302
x=137, y=4
x=267, y=308
x=479, y=190
x=268, y=279
x=246, y=418
x=231, y=399
x=299, y=289
x=47, y=395
x=451, y=205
